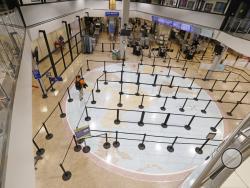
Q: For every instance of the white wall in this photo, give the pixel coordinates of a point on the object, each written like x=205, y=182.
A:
x=20, y=163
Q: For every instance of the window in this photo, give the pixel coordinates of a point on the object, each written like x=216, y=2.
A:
x=183, y=3
x=190, y=5
x=208, y=7
x=220, y=7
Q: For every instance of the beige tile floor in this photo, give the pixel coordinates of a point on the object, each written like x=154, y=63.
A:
x=85, y=172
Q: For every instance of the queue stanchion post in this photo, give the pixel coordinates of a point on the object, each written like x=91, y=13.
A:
x=81, y=72
x=141, y=123
x=169, y=70
x=77, y=146
x=39, y=151
x=159, y=93
x=199, y=150
x=191, y=85
x=198, y=94
x=88, y=69
x=220, y=100
x=48, y=134
x=138, y=79
x=105, y=78
x=87, y=117
x=102, y=47
x=121, y=79
x=123, y=62
x=232, y=91
x=117, y=120
x=97, y=86
x=51, y=83
x=168, y=62
x=121, y=89
x=116, y=143
x=165, y=123
x=212, y=88
x=214, y=128
x=231, y=112
x=69, y=99
x=225, y=80
x=185, y=72
x=104, y=66
x=155, y=80
x=176, y=92
x=171, y=83
x=205, y=78
x=66, y=174
x=184, y=67
x=62, y=114
x=188, y=126
x=138, y=68
x=106, y=144
x=138, y=90
x=244, y=96
x=170, y=148
x=141, y=105
x=86, y=148
x=183, y=106
x=93, y=97
x=120, y=100
x=153, y=61
x=142, y=146
x=204, y=111
x=153, y=70
x=163, y=108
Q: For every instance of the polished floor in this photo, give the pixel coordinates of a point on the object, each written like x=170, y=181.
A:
x=87, y=170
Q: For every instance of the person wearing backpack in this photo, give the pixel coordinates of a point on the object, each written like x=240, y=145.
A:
x=79, y=85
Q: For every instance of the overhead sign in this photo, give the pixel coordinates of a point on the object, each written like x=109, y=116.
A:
x=111, y=13
x=82, y=132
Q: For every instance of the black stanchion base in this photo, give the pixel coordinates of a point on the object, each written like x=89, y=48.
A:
x=106, y=145
x=93, y=102
x=239, y=102
x=187, y=127
x=154, y=85
x=224, y=81
x=204, y=79
x=190, y=88
x=105, y=83
x=121, y=93
x=164, y=125
x=40, y=152
x=77, y=148
x=174, y=97
x=198, y=150
x=120, y=82
x=181, y=110
x=213, y=129
x=44, y=96
x=98, y=91
x=137, y=94
x=62, y=115
x=66, y=176
x=119, y=105
x=211, y=90
x=170, y=148
x=163, y=108
x=49, y=136
x=229, y=114
x=88, y=70
x=116, y=144
x=158, y=96
x=232, y=91
x=70, y=100
x=219, y=101
x=87, y=118
x=141, y=146
x=196, y=99
x=141, y=106
x=52, y=89
x=86, y=149
x=140, y=123
x=203, y=111
x=117, y=121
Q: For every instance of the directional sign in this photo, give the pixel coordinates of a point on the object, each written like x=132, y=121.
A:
x=111, y=13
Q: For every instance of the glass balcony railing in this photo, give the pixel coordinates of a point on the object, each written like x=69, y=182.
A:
x=12, y=34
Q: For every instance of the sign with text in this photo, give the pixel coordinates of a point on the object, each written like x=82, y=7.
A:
x=82, y=132
x=111, y=13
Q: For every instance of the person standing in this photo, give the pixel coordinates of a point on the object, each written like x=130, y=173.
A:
x=80, y=84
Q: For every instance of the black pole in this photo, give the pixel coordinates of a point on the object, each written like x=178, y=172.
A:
x=44, y=94
x=121, y=91
x=243, y=98
x=51, y=83
x=183, y=106
x=184, y=65
x=225, y=80
x=102, y=47
x=205, y=78
x=120, y=101
x=106, y=144
x=185, y=72
x=81, y=71
x=137, y=92
x=163, y=108
x=39, y=151
x=165, y=123
x=48, y=134
x=230, y=113
x=174, y=97
x=169, y=70
x=80, y=27
x=66, y=174
x=153, y=62
x=141, y=105
x=138, y=68
x=93, y=97
x=121, y=81
x=204, y=110
x=190, y=87
x=232, y=91
x=104, y=66
x=220, y=100
x=88, y=69
x=212, y=88
x=171, y=147
x=188, y=126
x=152, y=74
x=68, y=37
x=97, y=86
x=116, y=143
x=69, y=99
x=141, y=146
x=77, y=146
x=64, y=64
x=77, y=50
x=196, y=98
x=159, y=93
x=155, y=80
x=169, y=62
x=141, y=123
x=87, y=117
x=123, y=62
x=105, y=78
x=117, y=120
x=138, y=78
x=172, y=80
x=199, y=149
x=214, y=129
x=62, y=115
x=49, y=53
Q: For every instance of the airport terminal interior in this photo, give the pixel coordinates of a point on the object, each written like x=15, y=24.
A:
x=124, y=94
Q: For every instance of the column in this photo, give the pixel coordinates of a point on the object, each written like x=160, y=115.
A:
x=124, y=20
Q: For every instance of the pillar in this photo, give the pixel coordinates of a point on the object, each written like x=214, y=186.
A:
x=124, y=20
